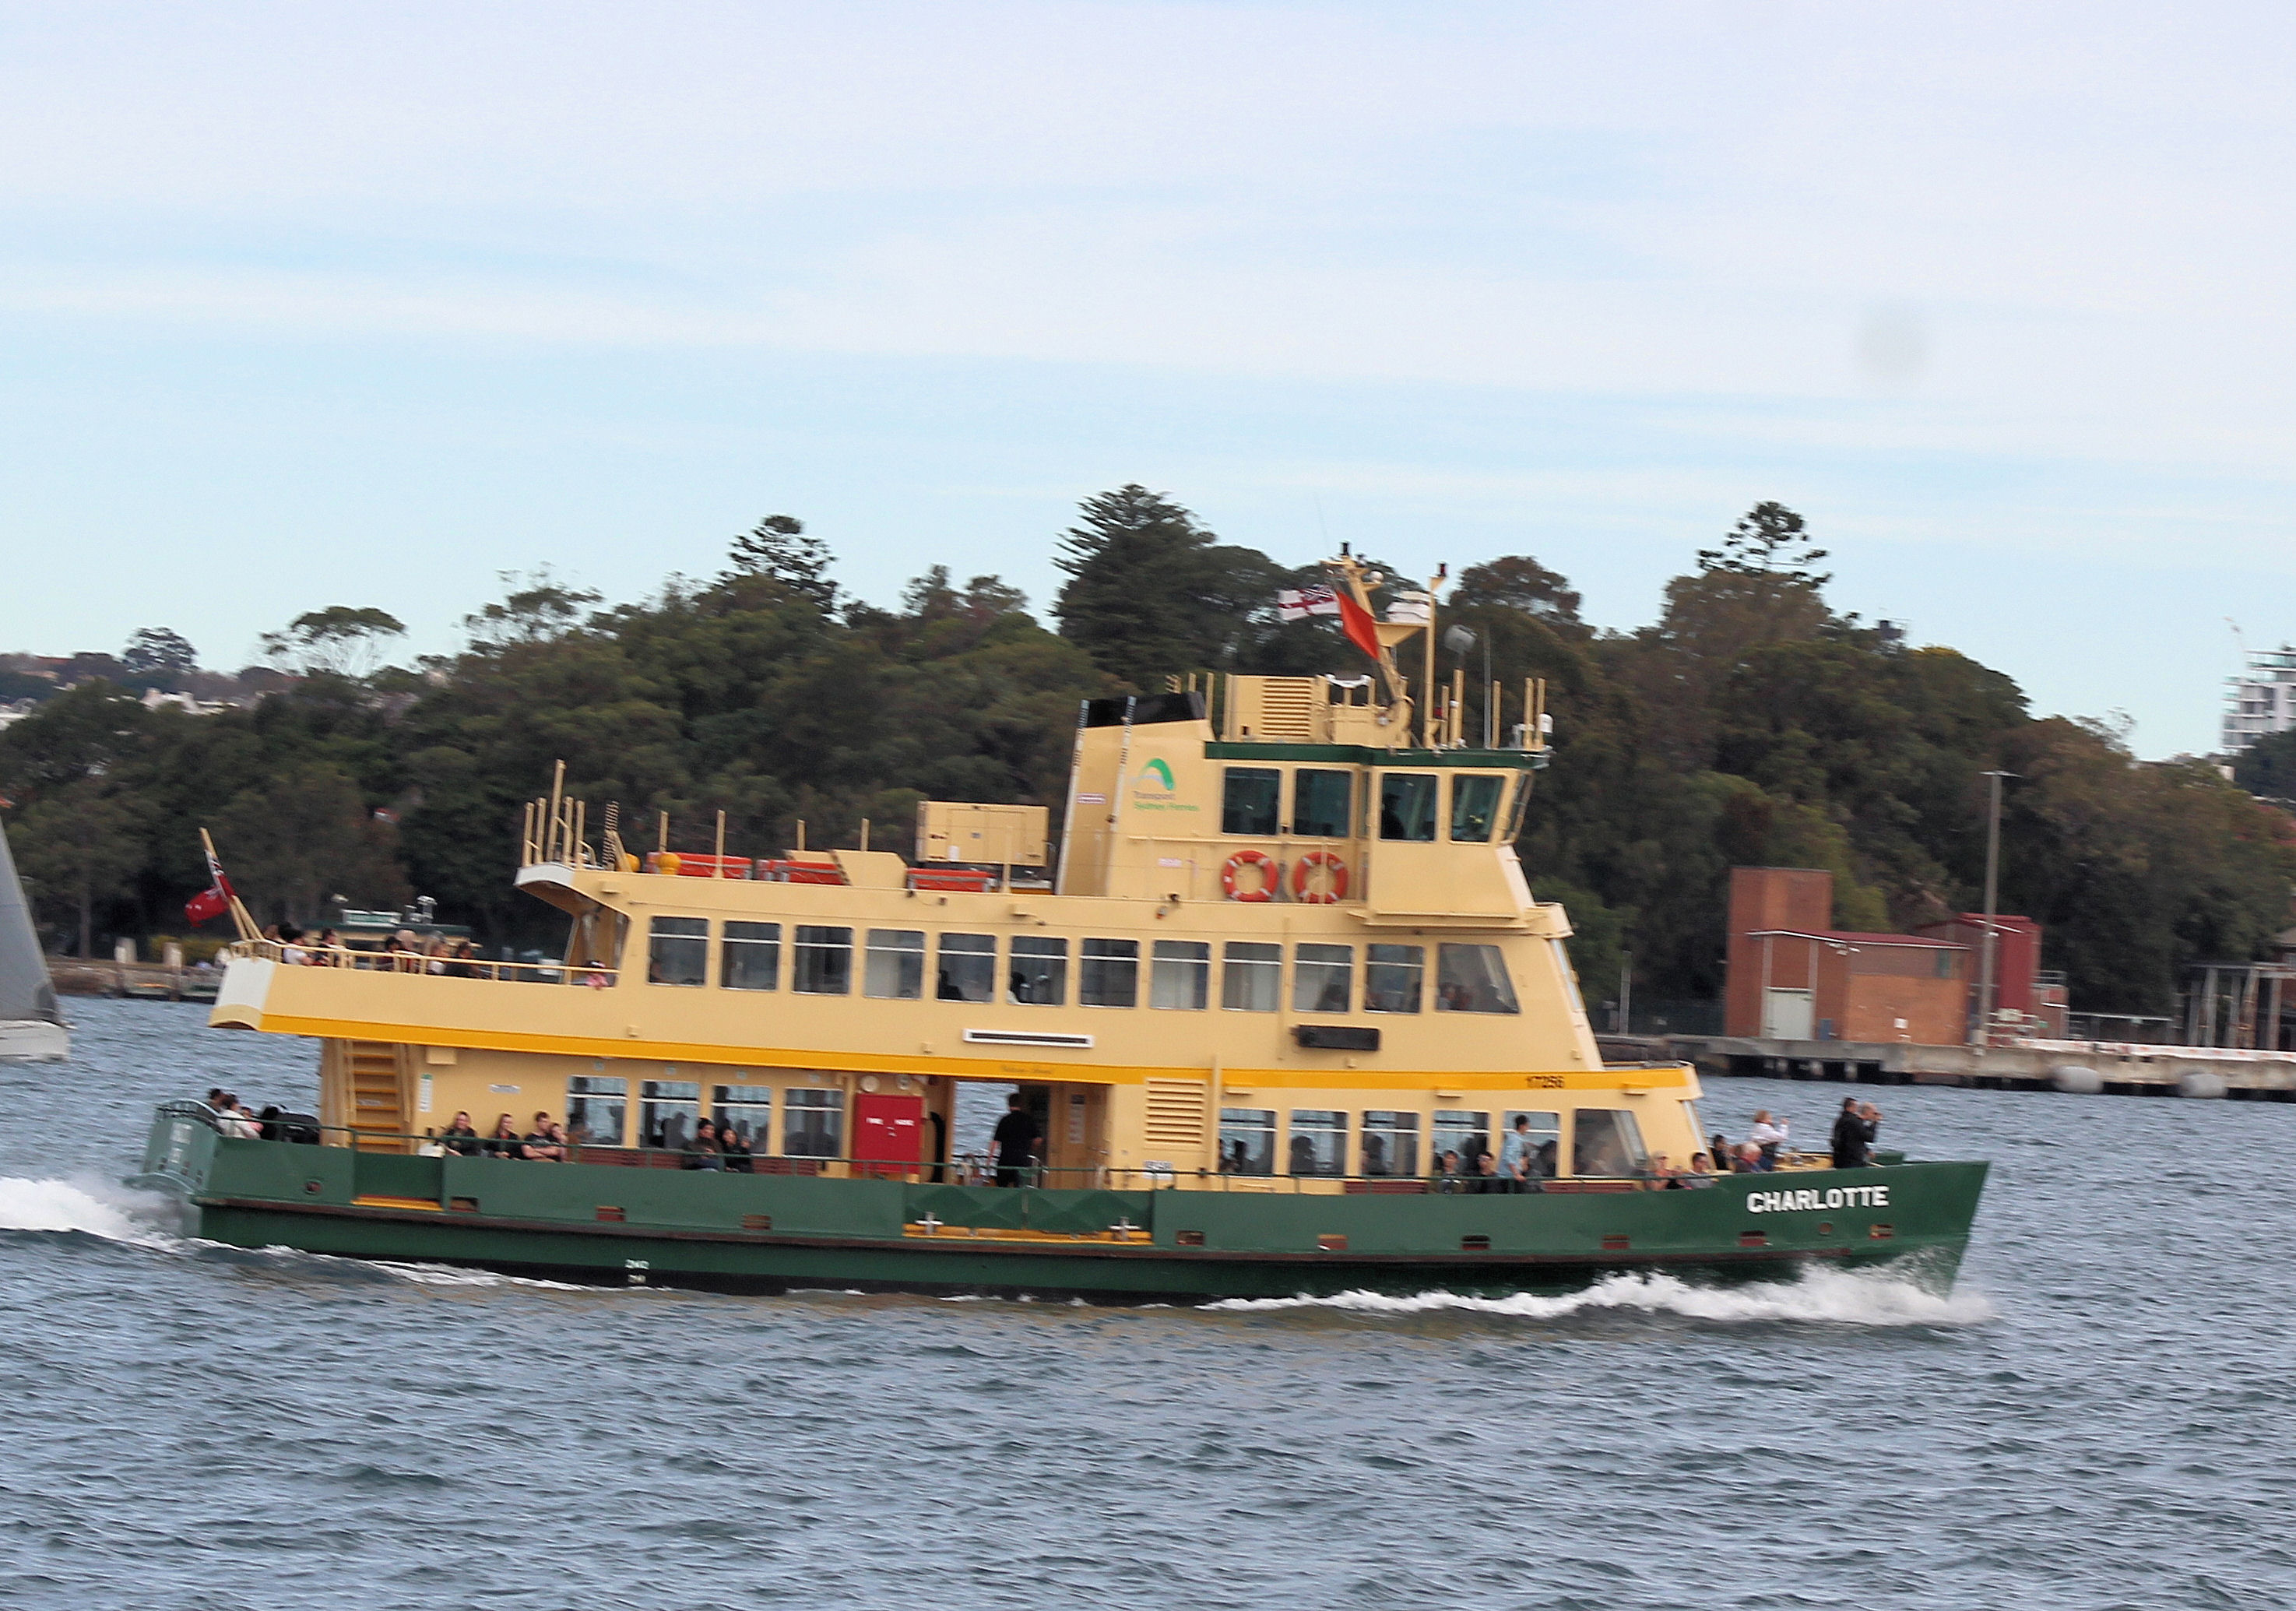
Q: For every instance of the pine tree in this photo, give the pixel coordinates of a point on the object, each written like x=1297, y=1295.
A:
x=1151, y=593
x=778, y=549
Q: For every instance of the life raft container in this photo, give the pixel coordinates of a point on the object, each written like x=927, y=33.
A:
x=1335, y=886
x=1271, y=875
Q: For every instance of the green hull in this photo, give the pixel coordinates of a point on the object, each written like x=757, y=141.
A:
x=769, y=1233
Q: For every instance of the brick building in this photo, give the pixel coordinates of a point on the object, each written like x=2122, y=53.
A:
x=1793, y=976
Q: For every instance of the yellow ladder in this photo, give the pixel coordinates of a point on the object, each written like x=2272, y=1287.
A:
x=377, y=1107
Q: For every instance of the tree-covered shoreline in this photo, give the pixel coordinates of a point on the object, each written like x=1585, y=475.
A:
x=1752, y=724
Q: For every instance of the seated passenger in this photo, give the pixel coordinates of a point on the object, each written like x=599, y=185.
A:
x=736, y=1149
x=702, y=1152
x=460, y=1139
x=1718, y=1146
x=503, y=1141
x=234, y=1120
x=1749, y=1159
x=1446, y=1178
x=1664, y=1175
x=538, y=1146
x=291, y=946
x=1485, y=1175
x=462, y=961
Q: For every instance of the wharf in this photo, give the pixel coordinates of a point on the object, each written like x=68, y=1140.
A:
x=2076, y=1067
x=142, y=981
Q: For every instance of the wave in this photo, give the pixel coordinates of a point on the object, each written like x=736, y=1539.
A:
x=1842, y=1297
x=88, y=1208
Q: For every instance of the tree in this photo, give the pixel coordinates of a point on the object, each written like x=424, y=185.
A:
x=538, y=606
x=1151, y=593
x=1519, y=583
x=156, y=652
x=78, y=845
x=303, y=836
x=2267, y=768
x=337, y=641
x=777, y=549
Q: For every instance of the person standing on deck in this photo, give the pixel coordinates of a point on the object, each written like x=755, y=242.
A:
x=1849, y=1137
x=1518, y=1156
x=1013, y=1147
x=1768, y=1134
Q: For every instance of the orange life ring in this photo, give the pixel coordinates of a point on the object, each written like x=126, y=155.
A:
x=1319, y=859
x=1271, y=875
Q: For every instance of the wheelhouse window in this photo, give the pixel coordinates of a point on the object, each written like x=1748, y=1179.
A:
x=1391, y=1142
x=966, y=968
x=1320, y=978
x=1475, y=806
x=750, y=957
x=1108, y=973
x=748, y=1111
x=1040, y=970
x=897, y=965
x=1391, y=978
x=668, y=1111
x=1251, y=976
x=1248, y=800
x=1606, y=1142
x=596, y=1108
x=1406, y=806
x=1461, y=1130
x=1319, y=1142
x=1544, y=1134
x=1472, y=979
x=824, y=961
x=677, y=950
x=1180, y=975
x=1323, y=803
x=1247, y=1140
x=813, y=1123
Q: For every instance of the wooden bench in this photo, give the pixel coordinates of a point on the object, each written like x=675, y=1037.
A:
x=1382, y=1188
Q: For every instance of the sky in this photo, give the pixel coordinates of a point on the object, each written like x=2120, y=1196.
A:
x=374, y=304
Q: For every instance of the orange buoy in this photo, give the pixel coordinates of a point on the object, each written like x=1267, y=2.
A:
x=1336, y=884
x=1271, y=875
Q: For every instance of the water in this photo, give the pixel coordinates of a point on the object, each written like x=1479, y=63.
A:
x=2094, y=1418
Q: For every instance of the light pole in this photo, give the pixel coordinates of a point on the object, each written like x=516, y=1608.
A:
x=1461, y=641
x=1983, y=1030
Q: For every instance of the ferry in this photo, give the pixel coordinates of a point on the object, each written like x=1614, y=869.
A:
x=1267, y=999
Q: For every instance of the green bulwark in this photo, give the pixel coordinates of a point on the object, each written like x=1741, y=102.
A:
x=1192, y=1243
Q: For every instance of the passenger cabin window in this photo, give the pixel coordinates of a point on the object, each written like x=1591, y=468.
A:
x=813, y=1123
x=1391, y=978
x=897, y=965
x=1108, y=973
x=1406, y=806
x=1251, y=976
x=1323, y=803
x=967, y=968
x=1320, y=981
x=1607, y=1143
x=677, y=950
x=595, y=1107
x=1040, y=970
x=1247, y=1140
x=1319, y=1142
x=1472, y=979
x=824, y=962
x=750, y=957
x=1542, y=1138
x=668, y=1111
x=1391, y=1142
x=1461, y=1130
x=1474, y=808
x=1180, y=975
x=748, y=1111
x=1248, y=802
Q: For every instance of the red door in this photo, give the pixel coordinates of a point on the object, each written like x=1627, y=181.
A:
x=888, y=1130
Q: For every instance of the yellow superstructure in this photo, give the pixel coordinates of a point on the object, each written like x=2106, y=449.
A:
x=1298, y=951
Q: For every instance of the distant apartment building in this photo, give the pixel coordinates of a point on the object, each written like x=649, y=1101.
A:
x=2261, y=700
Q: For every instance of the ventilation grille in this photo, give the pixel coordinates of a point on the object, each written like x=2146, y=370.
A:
x=1287, y=708
x=1176, y=1114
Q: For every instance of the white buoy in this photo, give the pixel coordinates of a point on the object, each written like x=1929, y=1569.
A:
x=2200, y=1083
x=2075, y=1081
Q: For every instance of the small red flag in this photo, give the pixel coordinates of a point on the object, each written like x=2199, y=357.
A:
x=1356, y=621
x=213, y=900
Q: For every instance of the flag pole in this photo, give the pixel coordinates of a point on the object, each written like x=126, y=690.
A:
x=241, y=919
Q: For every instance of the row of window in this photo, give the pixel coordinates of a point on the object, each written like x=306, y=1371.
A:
x=1469, y=978
x=813, y=1122
x=1410, y=805
x=1315, y=1141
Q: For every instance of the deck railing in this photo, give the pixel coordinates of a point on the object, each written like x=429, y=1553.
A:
x=424, y=964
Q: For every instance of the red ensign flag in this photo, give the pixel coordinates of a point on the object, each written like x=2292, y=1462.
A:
x=213, y=900
x=1356, y=621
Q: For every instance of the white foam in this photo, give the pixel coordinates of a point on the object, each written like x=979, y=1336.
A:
x=59, y=1206
x=1843, y=1298
x=447, y=1275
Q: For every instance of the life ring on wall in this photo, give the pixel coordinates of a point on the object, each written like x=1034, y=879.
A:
x=1271, y=875
x=1337, y=888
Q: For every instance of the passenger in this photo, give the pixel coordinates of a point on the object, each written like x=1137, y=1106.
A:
x=1750, y=1158
x=702, y=1152
x=1849, y=1139
x=214, y=1097
x=291, y=951
x=565, y=1142
x=1543, y=1167
x=1718, y=1146
x=1518, y=1156
x=502, y=1141
x=731, y=1142
x=1486, y=1177
x=462, y=962
x=1374, y=1155
x=328, y=950
x=1013, y=1147
x=1869, y=1119
x=1664, y=1176
x=410, y=952
x=538, y=1146
x=1446, y=1178
x=236, y=1120
x=1701, y=1171
x=460, y=1139
x=266, y=1122
x=1303, y=1155
x=1768, y=1136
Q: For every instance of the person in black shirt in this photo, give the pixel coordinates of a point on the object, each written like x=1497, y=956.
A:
x=736, y=1151
x=1014, y=1144
x=1849, y=1136
x=460, y=1139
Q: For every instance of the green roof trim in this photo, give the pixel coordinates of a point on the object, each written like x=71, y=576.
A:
x=1364, y=755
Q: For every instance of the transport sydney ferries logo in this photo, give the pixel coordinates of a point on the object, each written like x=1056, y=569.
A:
x=1153, y=789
